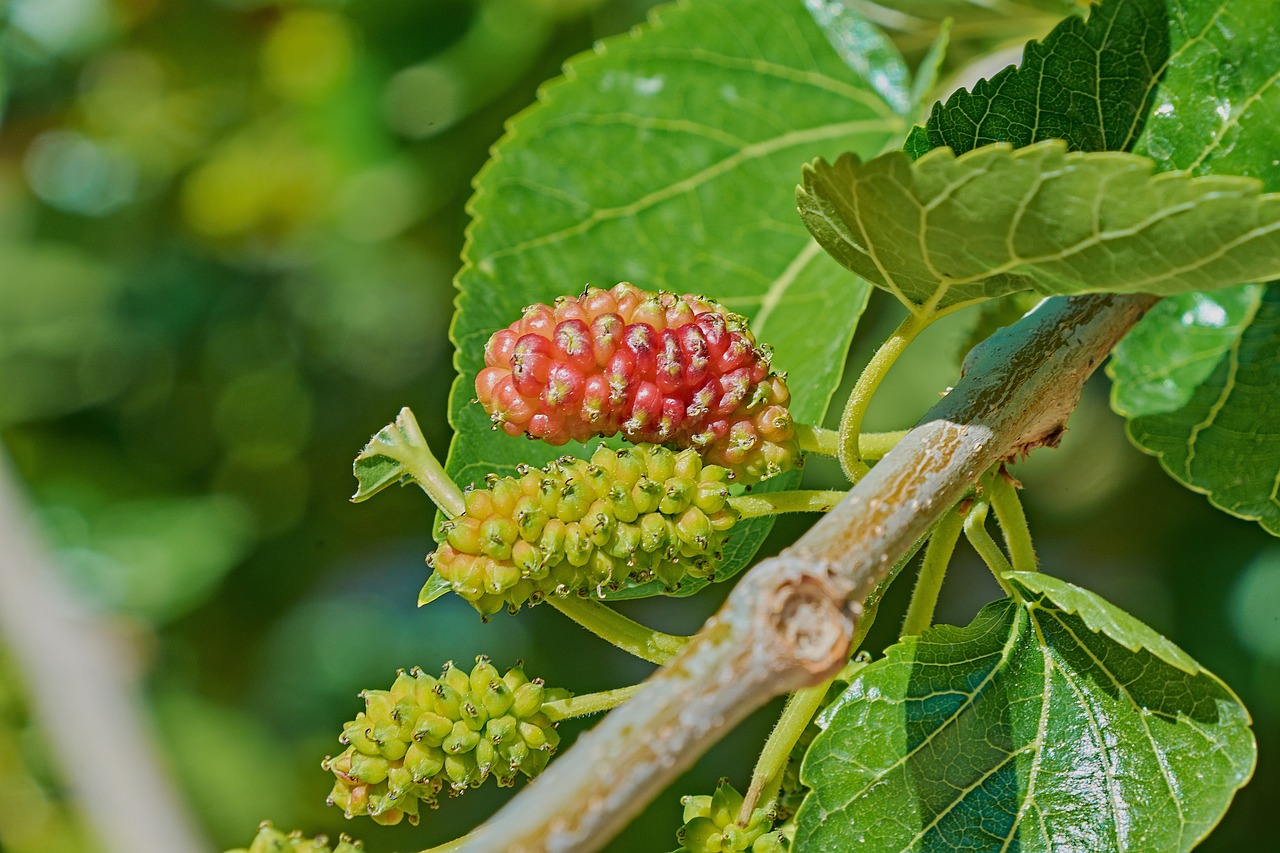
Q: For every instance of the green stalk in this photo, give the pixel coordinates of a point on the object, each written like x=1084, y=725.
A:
x=937, y=556
x=796, y=714
x=856, y=408
x=612, y=627
x=975, y=530
x=772, y=503
x=402, y=441
x=588, y=703
x=1013, y=521
x=826, y=442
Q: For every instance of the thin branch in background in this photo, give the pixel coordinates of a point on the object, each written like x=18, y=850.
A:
x=80, y=682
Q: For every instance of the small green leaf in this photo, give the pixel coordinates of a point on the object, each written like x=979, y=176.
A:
x=435, y=587
x=667, y=158
x=1027, y=730
x=399, y=453
x=946, y=230
x=1224, y=441
x=1089, y=83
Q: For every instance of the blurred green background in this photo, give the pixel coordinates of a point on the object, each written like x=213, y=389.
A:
x=227, y=237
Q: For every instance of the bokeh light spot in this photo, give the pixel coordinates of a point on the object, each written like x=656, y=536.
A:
x=70, y=171
x=307, y=54
x=1255, y=605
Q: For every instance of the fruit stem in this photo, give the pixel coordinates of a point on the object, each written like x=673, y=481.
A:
x=826, y=442
x=937, y=556
x=855, y=409
x=796, y=714
x=975, y=530
x=772, y=503
x=588, y=703
x=611, y=626
x=1013, y=521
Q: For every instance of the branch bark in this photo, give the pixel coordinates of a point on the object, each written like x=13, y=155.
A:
x=789, y=622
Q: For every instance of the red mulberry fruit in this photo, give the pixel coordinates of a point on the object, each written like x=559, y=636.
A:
x=656, y=367
x=426, y=735
x=579, y=527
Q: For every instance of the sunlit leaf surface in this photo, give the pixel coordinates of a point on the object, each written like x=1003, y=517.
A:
x=1052, y=722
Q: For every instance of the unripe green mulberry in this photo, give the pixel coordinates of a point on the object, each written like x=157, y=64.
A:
x=584, y=528
x=271, y=840
x=655, y=367
x=428, y=735
x=710, y=826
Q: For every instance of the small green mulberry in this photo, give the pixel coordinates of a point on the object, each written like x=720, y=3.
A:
x=654, y=367
x=711, y=826
x=271, y=840
x=430, y=735
x=584, y=528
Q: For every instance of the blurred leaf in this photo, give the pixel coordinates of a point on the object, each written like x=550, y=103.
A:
x=63, y=343
x=667, y=158
x=157, y=557
x=945, y=229
x=866, y=50
x=1026, y=728
x=1088, y=83
x=1223, y=441
x=976, y=23
x=1183, y=375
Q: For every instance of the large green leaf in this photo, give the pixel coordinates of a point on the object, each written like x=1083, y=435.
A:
x=1176, y=347
x=667, y=158
x=1088, y=83
x=1052, y=722
x=1225, y=440
x=945, y=229
x=1183, y=376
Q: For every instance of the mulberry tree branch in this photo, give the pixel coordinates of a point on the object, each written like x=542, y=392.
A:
x=789, y=622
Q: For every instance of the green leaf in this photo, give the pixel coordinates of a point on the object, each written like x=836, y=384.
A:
x=1224, y=441
x=667, y=158
x=399, y=453
x=1027, y=730
x=1182, y=375
x=1157, y=367
x=867, y=50
x=435, y=587
x=945, y=230
x=979, y=25
x=1101, y=616
x=1088, y=83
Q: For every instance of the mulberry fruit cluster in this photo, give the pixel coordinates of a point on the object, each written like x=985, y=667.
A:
x=711, y=826
x=579, y=527
x=655, y=367
x=271, y=840
x=427, y=735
